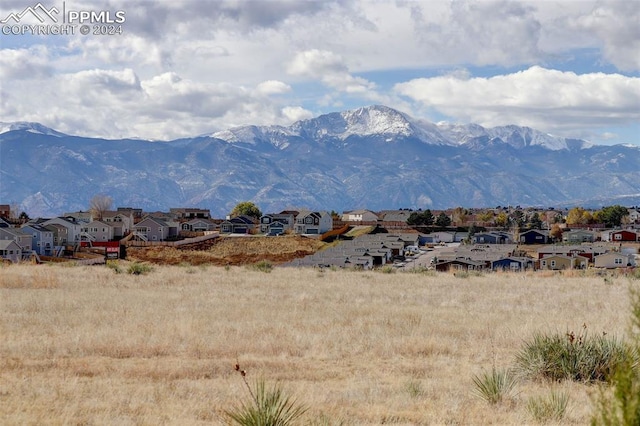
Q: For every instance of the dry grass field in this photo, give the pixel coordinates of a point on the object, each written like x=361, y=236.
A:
x=84, y=345
x=228, y=250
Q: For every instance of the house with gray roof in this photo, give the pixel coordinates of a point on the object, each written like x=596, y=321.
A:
x=10, y=250
x=42, y=238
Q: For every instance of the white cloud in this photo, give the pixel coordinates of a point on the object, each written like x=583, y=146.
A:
x=272, y=87
x=296, y=113
x=205, y=65
x=538, y=97
x=25, y=64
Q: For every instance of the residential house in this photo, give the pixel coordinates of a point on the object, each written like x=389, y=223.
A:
x=72, y=226
x=21, y=238
x=440, y=237
x=153, y=229
x=42, y=238
x=360, y=216
x=96, y=231
x=513, y=264
x=492, y=238
x=622, y=235
x=559, y=262
x=198, y=225
x=79, y=216
x=241, y=224
x=614, y=260
x=135, y=213
x=190, y=213
x=121, y=222
x=395, y=216
x=589, y=251
x=534, y=236
x=459, y=264
x=60, y=234
x=308, y=222
x=577, y=236
x=10, y=250
x=634, y=215
x=277, y=223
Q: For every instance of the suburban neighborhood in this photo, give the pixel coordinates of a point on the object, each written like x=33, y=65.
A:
x=499, y=239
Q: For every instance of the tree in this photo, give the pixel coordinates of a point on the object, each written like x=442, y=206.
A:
x=576, y=216
x=612, y=215
x=502, y=220
x=535, y=222
x=556, y=232
x=421, y=218
x=518, y=217
x=443, y=220
x=486, y=216
x=246, y=208
x=23, y=217
x=99, y=204
x=459, y=216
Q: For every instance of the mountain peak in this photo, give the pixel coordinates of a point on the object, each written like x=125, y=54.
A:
x=28, y=126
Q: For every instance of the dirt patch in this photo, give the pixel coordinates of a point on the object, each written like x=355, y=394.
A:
x=230, y=251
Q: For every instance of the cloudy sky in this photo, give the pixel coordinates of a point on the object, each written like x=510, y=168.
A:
x=185, y=68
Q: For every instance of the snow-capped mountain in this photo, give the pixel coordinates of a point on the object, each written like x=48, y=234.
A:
x=372, y=157
x=29, y=127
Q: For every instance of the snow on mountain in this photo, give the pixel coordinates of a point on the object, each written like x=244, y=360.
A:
x=373, y=156
x=29, y=127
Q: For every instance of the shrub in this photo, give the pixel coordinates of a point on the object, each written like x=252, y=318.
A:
x=494, y=386
x=266, y=407
x=114, y=266
x=388, y=269
x=263, y=266
x=570, y=357
x=139, y=269
x=550, y=408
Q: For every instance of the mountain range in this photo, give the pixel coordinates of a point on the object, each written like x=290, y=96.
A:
x=372, y=157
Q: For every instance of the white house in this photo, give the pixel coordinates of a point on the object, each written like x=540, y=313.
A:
x=360, y=216
x=308, y=222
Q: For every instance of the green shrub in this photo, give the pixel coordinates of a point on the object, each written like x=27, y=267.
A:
x=139, y=268
x=263, y=266
x=267, y=407
x=550, y=408
x=414, y=388
x=494, y=386
x=388, y=269
x=114, y=266
x=569, y=357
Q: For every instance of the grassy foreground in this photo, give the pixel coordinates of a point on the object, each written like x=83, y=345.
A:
x=84, y=345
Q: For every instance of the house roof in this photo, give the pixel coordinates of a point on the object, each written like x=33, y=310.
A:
x=4, y=244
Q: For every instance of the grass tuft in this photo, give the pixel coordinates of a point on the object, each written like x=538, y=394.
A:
x=548, y=408
x=262, y=266
x=139, y=269
x=568, y=356
x=494, y=386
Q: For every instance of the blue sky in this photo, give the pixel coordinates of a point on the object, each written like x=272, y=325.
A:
x=185, y=68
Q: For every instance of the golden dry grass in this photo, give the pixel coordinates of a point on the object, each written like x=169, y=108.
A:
x=232, y=251
x=83, y=345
